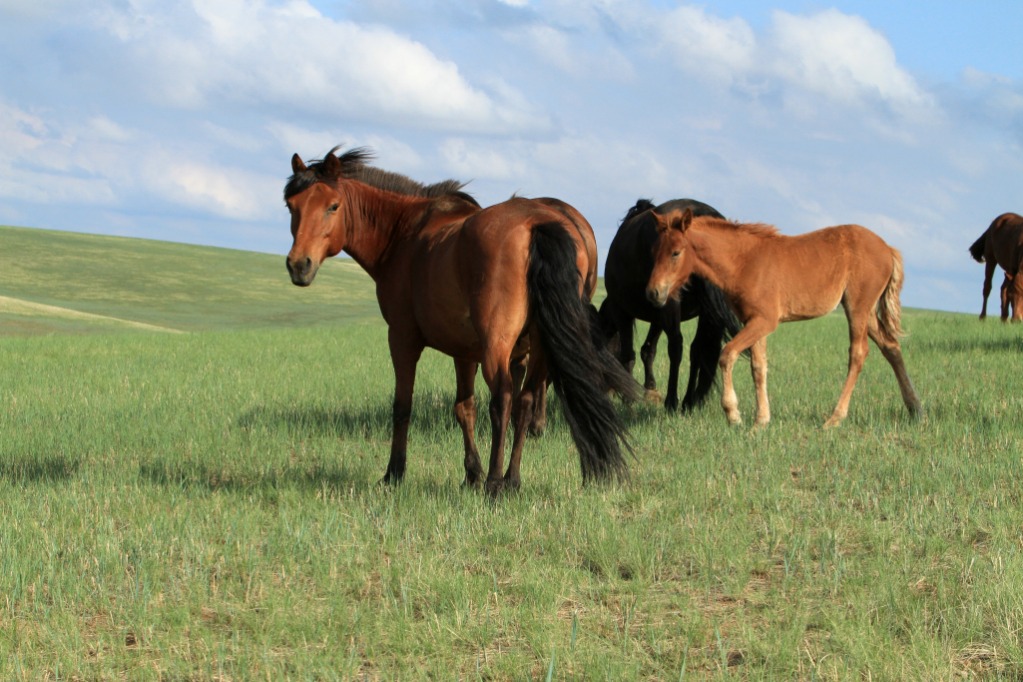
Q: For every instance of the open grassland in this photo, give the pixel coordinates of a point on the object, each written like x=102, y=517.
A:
x=204, y=506
x=63, y=282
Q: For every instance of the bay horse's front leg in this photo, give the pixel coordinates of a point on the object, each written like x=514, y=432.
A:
x=465, y=414
x=404, y=357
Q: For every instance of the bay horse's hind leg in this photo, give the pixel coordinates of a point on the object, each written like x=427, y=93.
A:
x=498, y=376
x=465, y=414
x=528, y=398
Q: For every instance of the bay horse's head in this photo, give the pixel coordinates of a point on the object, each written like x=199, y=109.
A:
x=319, y=217
x=672, y=258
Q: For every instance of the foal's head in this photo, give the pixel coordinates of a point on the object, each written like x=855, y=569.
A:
x=318, y=214
x=672, y=257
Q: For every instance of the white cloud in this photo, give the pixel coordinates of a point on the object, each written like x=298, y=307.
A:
x=842, y=57
x=707, y=46
x=290, y=56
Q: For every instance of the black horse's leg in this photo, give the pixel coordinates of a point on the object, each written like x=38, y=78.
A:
x=404, y=357
x=648, y=353
x=671, y=320
x=704, y=353
x=465, y=413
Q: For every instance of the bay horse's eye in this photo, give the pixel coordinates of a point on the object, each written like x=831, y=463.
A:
x=675, y=254
x=333, y=207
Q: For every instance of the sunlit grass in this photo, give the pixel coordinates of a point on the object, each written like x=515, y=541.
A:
x=206, y=506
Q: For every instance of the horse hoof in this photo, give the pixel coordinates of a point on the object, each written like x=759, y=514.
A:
x=501, y=487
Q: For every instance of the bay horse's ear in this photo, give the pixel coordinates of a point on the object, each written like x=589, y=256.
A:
x=297, y=165
x=331, y=165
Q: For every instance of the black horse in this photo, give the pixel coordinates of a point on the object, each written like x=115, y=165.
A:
x=626, y=273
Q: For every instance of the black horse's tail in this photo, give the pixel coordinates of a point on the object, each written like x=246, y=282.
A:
x=716, y=324
x=580, y=370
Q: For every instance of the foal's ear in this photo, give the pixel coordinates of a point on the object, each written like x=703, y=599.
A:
x=297, y=165
x=680, y=220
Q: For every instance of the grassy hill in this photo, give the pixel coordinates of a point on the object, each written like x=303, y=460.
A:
x=63, y=282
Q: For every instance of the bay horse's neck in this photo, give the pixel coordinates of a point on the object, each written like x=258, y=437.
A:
x=376, y=220
x=722, y=249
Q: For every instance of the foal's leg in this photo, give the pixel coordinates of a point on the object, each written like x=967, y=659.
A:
x=758, y=367
x=465, y=413
x=892, y=352
x=859, y=319
x=754, y=330
x=404, y=357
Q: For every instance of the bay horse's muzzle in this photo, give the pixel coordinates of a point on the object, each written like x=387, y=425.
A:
x=302, y=270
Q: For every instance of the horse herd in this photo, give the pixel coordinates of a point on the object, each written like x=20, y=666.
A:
x=508, y=289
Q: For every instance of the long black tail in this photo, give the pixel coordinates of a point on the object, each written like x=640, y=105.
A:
x=578, y=368
x=717, y=323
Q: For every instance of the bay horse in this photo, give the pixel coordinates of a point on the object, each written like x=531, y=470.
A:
x=771, y=278
x=630, y=260
x=499, y=287
x=1002, y=244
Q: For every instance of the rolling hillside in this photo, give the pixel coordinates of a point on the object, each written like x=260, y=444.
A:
x=63, y=282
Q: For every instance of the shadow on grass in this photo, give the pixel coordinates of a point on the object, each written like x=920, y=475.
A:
x=42, y=470
x=197, y=476
x=950, y=344
x=430, y=413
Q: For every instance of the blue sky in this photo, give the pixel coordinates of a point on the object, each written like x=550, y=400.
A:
x=176, y=120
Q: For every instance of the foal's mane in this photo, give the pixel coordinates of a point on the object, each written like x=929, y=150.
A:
x=353, y=166
x=757, y=229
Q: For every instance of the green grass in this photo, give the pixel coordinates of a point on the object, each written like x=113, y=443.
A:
x=205, y=506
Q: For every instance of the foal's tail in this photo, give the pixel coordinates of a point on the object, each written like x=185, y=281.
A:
x=889, y=309
x=581, y=371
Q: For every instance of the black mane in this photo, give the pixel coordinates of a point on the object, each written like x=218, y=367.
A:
x=353, y=166
x=641, y=205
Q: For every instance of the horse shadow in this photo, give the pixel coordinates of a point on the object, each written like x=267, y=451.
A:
x=46, y=469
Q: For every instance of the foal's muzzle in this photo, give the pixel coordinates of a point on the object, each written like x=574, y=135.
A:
x=658, y=296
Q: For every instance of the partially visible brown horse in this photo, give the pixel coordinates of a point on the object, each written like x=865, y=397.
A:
x=500, y=286
x=1002, y=244
x=771, y=278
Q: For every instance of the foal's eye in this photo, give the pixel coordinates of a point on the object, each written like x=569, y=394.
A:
x=676, y=254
